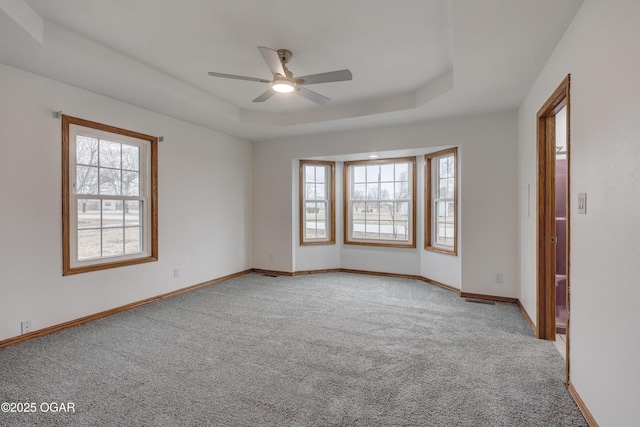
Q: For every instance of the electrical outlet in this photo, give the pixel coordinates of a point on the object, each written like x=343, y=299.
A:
x=499, y=278
x=176, y=272
x=26, y=326
x=270, y=257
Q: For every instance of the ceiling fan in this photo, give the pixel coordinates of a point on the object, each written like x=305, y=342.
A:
x=283, y=80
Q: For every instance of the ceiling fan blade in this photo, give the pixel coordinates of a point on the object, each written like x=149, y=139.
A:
x=272, y=59
x=266, y=95
x=312, y=96
x=233, y=76
x=332, y=76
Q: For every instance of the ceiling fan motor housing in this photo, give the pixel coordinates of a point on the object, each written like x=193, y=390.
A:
x=285, y=55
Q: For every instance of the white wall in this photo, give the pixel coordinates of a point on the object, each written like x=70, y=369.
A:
x=600, y=51
x=488, y=207
x=205, y=201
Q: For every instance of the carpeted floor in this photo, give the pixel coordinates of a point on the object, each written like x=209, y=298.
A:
x=316, y=350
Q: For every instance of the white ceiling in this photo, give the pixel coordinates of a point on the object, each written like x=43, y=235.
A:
x=412, y=60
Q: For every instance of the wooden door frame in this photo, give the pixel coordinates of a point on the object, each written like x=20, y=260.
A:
x=546, y=250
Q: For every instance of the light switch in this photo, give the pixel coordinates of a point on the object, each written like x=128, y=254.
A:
x=582, y=203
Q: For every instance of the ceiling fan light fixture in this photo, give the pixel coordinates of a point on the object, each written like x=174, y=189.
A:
x=282, y=86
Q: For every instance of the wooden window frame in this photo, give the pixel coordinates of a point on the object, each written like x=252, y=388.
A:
x=429, y=203
x=330, y=199
x=411, y=243
x=150, y=220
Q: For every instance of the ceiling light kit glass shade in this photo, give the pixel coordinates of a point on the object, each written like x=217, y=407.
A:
x=282, y=86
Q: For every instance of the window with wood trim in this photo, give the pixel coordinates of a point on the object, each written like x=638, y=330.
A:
x=441, y=201
x=379, y=208
x=110, y=211
x=317, y=202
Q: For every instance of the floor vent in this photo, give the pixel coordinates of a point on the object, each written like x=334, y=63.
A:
x=270, y=275
x=480, y=301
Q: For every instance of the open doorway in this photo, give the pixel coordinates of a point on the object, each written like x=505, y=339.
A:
x=553, y=305
x=561, y=221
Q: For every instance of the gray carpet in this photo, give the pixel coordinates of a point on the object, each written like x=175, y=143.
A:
x=317, y=350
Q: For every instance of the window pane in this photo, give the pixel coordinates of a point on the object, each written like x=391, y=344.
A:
x=110, y=181
x=88, y=213
x=315, y=220
x=132, y=212
x=386, y=192
x=388, y=230
x=401, y=230
x=86, y=180
x=402, y=190
x=88, y=244
x=130, y=183
x=386, y=173
x=321, y=214
x=442, y=162
x=112, y=213
x=386, y=211
x=112, y=241
x=310, y=192
x=311, y=210
x=86, y=150
x=110, y=154
x=442, y=189
x=133, y=240
x=309, y=174
x=321, y=220
x=320, y=174
x=450, y=188
x=402, y=210
x=402, y=172
x=359, y=191
x=372, y=192
x=451, y=212
x=440, y=233
x=372, y=220
x=359, y=174
x=441, y=211
x=451, y=166
x=320, y=192
x=130, y=157
x=373, y=173
x=449, y=233
x=372, y=228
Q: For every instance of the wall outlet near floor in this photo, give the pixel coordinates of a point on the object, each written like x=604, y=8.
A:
x=176, y=272
x=499, y=278
x=26, y=326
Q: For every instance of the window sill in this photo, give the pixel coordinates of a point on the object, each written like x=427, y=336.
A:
x=381, y=244
x=107, y=265
x=441, y=250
